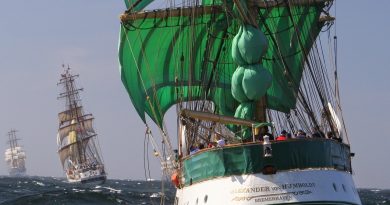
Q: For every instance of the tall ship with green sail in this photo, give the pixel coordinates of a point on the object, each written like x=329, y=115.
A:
x=15, y=156
x=255, y=86
x=78, y=146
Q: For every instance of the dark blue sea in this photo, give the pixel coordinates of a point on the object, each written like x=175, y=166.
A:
x=52, y=191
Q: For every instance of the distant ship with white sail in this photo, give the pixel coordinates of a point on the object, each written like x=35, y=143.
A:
x=15, y=156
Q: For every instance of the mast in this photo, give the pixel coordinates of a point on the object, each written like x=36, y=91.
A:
x=72, y=101
x=260, y=113
x=13, y=142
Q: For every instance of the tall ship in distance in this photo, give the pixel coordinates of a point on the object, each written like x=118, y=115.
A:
x=78, y=146
x=15, y=156
x=255, y=89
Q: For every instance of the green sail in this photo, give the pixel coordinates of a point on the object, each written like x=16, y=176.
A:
x=141, y=5
x=167, y=60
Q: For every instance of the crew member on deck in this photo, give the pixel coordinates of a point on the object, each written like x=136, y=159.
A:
x=193, y=149
x=331, y=135
x=220, y=140
x=300, y=134
x=282, y=136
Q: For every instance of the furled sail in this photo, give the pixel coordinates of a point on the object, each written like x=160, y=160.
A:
x=179, y=55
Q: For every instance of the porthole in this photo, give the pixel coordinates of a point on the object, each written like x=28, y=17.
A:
x=197, y=201
x=334, y=187
x=205, y=198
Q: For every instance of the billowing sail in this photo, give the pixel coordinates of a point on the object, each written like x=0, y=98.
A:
x=68, y=115
x=71, y=150
x=86, y=126
x=140, y=5
x=183, y=55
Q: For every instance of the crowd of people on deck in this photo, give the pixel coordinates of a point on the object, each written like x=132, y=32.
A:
x=300, y=134
x=219, y=141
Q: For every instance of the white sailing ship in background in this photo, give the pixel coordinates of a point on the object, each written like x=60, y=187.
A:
x=15, y=156
x=78, y=146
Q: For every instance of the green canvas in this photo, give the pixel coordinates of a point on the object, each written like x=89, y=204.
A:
x=167, y=60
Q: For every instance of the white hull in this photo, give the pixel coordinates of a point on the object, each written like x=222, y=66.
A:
x=284, y=187
x=88, y=176
x=90, y=180
x=17, y=172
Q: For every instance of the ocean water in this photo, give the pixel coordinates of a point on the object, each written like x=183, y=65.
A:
x=52, y=191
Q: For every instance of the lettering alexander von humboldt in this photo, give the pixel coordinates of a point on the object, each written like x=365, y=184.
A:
x=272, y=188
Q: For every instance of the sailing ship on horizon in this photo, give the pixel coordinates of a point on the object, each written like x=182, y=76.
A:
x=77, y=141
x=241, y=71
x=15, y=156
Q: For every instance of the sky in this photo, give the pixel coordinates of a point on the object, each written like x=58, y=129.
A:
x=37, y=37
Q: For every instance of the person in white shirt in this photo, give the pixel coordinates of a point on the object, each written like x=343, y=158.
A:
x=220, y=141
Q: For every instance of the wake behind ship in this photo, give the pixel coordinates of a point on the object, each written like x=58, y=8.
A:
x=255, y=85
x=78, y=146
x=15, y=156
